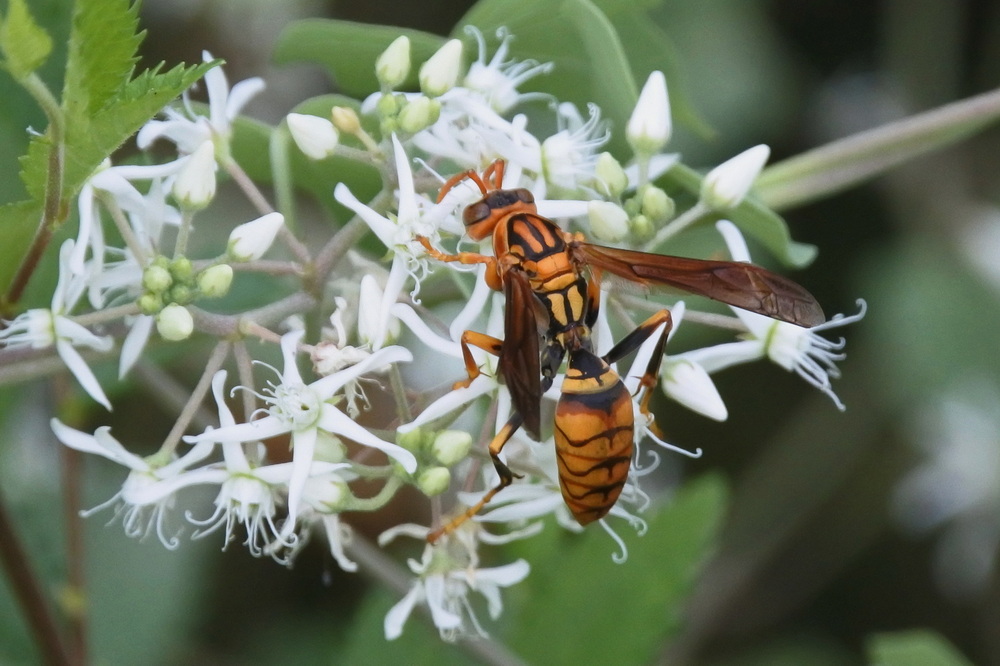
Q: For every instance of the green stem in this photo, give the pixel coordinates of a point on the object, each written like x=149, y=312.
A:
x=678, y=224
x=379, y=500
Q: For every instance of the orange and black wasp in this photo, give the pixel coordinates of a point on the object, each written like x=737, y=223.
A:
x=551, y=281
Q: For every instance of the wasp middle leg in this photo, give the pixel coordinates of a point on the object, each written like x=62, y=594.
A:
x=634, y=340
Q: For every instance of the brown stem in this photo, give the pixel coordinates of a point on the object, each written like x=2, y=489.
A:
x=29, y=593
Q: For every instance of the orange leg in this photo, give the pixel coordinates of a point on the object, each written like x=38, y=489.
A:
x=461, y=257
x=485, y=342
x=506, y=478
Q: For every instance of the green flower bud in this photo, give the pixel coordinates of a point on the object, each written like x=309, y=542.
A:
x=150, y=304
x=182, y=269
x=411, y=440
x=214, y=281
x=610, y=176
x=156, y=279
x=174, y=323
x=419, y=114
x=451, y=446
x=656, y=205
x=434, y=480
x=346, y=119
x=641, y=227
x=608, y=221
x=181, y=294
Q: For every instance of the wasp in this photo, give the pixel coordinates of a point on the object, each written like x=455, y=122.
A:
x=551, y=280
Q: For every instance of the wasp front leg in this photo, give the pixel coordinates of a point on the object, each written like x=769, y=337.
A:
x=634, y=340
x=506, y=478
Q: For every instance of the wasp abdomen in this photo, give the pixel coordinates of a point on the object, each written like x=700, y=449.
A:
x=594, y=433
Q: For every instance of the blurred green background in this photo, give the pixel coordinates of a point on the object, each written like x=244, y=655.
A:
x=810, y=564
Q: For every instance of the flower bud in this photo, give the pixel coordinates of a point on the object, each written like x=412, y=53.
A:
x=608, y=221
x=374, y=324
x=387, y=106
x=451, y=446
x=214, y=281
x=689, y=384
x=440, y=73
x=727, y=185
x=641, y=227
x=611, y=178
x=250, y=240
x=194, y=187
x=411, y=440
x=419, y=113
x=656, y=205
x=156, y=279
x=181, y=294
x=434, y=480
x=649, y=127
x=316, y=137
x=345, y=119
x=393, y=65
x=181, y=269
x=174, y=323
x=327, y=495
x=150, y=304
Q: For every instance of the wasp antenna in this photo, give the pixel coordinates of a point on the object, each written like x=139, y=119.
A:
x=458, y=178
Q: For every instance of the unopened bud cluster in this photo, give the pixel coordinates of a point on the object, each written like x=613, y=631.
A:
x=436, y=452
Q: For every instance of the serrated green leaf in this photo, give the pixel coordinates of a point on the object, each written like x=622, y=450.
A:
x=754, y=218
x=590, y=63
x=913, y=648
x=25, y=44
x=847, y=162
x=595, y=611
x=102, y=54
x=348, y=50
x=18, y=222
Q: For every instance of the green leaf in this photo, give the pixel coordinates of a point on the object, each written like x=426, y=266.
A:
x=590, y=62
x=752, y=217
x=25, y=44
x=584, y=601
x=913, y=648
x=348, y=50
x=102, y=55
x=847, y=162
x=648, y=48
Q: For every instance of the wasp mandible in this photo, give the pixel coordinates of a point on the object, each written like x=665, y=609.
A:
x=551, y=282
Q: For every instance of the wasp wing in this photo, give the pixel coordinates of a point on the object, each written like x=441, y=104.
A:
x=734, y=283
x=519, y=361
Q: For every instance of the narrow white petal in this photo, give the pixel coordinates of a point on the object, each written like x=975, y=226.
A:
x=451, y=401
x=290, y=375
x=434, y=587
x=327, y=386
x=269, y=426
x=381, y=226
x=335, y=421
x=398, y=614
x=82, y=372
x=242, y=93
x=303, y=452
x=408, y=316
x=134, y=343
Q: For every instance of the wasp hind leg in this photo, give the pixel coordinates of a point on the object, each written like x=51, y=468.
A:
x=634, y=340
x=487, y=343
x=506, y=478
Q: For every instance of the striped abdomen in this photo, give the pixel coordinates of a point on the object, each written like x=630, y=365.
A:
x=594, y=427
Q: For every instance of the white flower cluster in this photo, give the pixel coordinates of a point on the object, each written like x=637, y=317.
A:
x=462, y=119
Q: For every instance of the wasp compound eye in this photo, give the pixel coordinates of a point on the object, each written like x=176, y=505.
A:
x=476, y=212
x=524, y=196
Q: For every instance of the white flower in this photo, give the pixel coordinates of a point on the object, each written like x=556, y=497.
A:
x=608, y=221
x=315, y=136
x=250, y=240
x=797, y=349
x=190, y=131
x=497, y=80
x=248, y=495
x=446, y=574
x=956, y=487
x=40, y=328
x=304, y=410
x=725, y=186
x=148, y=492
x=408, y=256
x=569, y=157
x=650, y=126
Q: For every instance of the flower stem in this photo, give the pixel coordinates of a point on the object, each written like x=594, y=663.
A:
x=678, y=224
x=197, y=395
